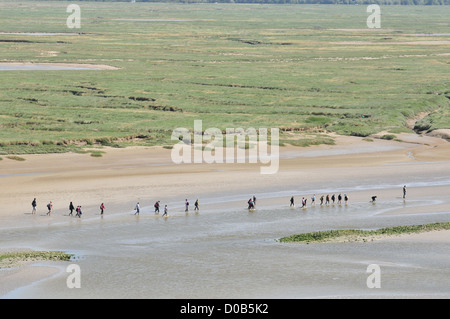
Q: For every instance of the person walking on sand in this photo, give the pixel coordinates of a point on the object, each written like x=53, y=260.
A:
x=321, y=200
x=251, y=205
x=333, y=198
x=254, y=200
x=313, y=200
x=137, y=208
x=33, y=204
x=303, y=202
x=50, y=207
x=339, y=199
x=404, y=192
x=196, y=205
x=71, y=208
x=327, y=200
x=156, y=207
x=79, y=212
x=345, y=199
x=102, y=209
x=165, y=211
x=186, y=206
x=292, y=202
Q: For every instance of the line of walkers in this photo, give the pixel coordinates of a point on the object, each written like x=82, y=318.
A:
x=79, y=212
x=322, y=198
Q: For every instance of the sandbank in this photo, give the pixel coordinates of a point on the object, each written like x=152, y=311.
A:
x=122, y=177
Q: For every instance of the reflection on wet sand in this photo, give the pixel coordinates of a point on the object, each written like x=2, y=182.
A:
x=235, y=253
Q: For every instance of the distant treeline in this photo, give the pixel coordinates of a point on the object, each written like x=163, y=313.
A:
x=348, y=2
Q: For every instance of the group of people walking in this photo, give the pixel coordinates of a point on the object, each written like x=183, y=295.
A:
x=251, y=203
x=49, y=207
x=328, y=199
x=186, y=206
x=137, y=208
x=72, y=208
x=333, y=198
x=78, y=210
x=156, y=206
x=324, y=200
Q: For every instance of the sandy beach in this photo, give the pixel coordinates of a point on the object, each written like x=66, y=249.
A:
x=122, y=177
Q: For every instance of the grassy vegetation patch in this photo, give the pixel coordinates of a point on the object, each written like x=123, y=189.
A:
x=388, y=137
x=307, y=140
x=349, y=235
x=13, y=259
x=96, y=153
x=16, y=158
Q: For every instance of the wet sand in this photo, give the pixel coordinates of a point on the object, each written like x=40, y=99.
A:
x=123, y=177
x=25, y=275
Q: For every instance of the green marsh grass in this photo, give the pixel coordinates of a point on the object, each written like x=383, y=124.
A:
x=304, y=68
x=15, y=158
x=362, y=235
